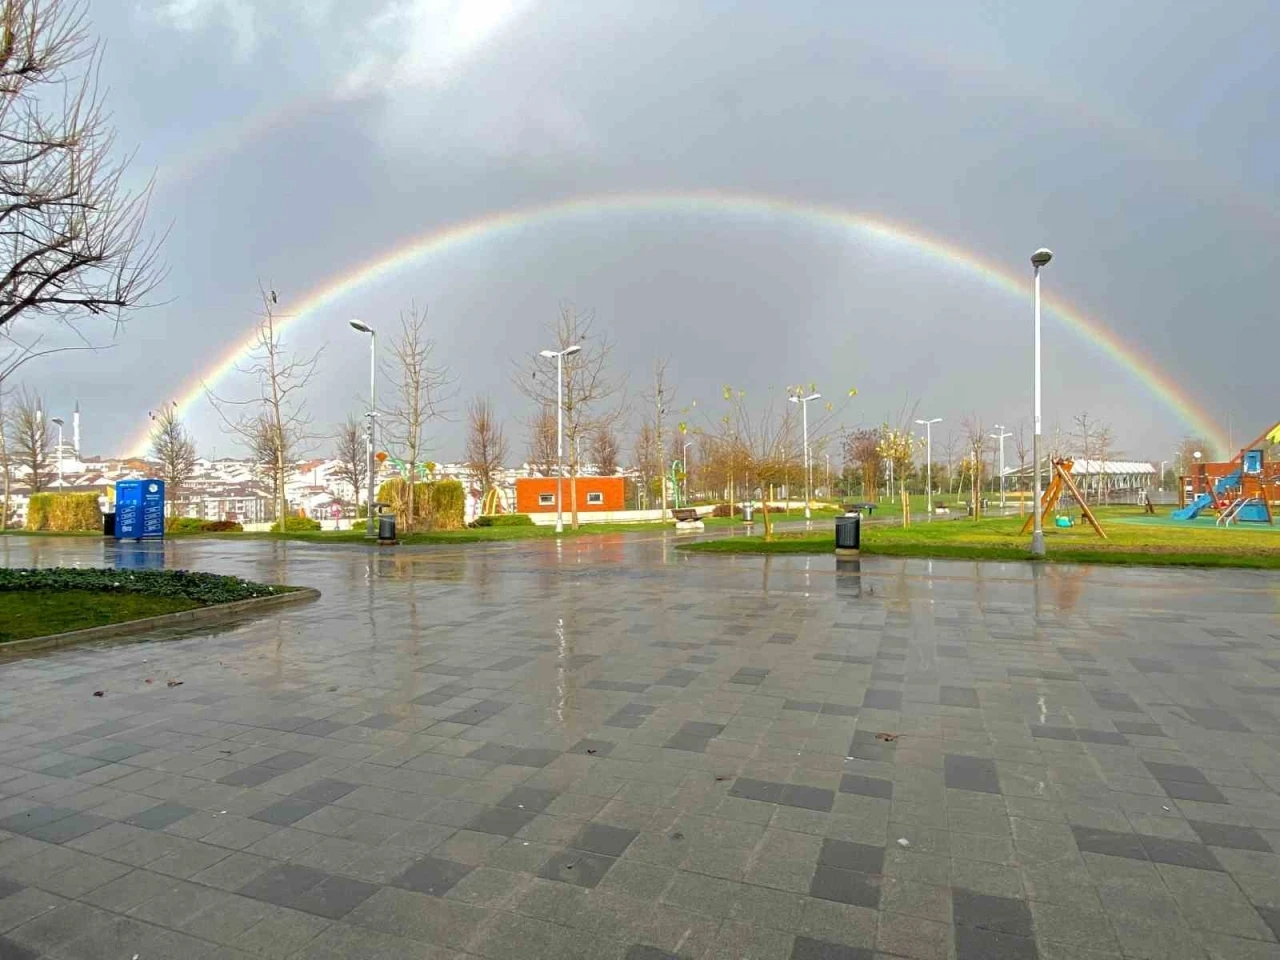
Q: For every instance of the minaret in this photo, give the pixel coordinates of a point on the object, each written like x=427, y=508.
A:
x=75, y=430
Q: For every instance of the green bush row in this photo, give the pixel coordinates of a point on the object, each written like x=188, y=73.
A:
x=505, y=520
x=296, y=525
x=196, y=525
x=200, y=587
x=64, y=512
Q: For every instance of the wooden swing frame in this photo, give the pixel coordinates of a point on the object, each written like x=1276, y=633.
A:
x=1049, y=500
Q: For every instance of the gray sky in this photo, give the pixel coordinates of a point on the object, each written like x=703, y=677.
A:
x=293, y=140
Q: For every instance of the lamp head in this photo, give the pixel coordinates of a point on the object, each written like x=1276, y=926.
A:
x=549, y=354
x=569, y=351
x=58, y=420
x=1041, y=257
x=361, y=326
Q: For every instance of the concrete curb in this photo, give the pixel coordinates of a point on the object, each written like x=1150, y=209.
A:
x=200, y=616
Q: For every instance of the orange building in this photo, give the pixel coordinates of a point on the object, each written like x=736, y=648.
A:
x=595, y=494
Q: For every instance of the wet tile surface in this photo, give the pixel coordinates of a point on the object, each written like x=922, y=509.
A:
x=612, y=749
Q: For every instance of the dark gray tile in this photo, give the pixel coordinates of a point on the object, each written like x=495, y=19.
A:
x=283, y=884
x=866, y=786
x=1176, y=771
x=1151, y=665
x=160, y=816
x=478, y=712
x=638, y=951
x=1230, y=836
x=1108, y=842
x=533, y=756
x=807, y=948
x=845, y=886
x=528, y=798
x=839, y=710
x=604, y=839
x=1102, y=736
x=844, y=658
x=630, y=716
x=290, y=760
x=324, y=791
x=980, y=910
x=15, y=951
x=9, y=887
x=810, y=798
x=502, y=821
x=287, y=811
x=253, y=776
x=882, y=699
x=334, y=897
x=1042, y=732
x=971, y=773
x=577, y=867
x=958, y=697
x=1212, y=718
x=1180, y=853
x=700, y=729
x=73, y=767
x=510, y=663
x=687, y=742
x=494, y=753
x=1270, y=916
x=974, y=943
x=112, y=751
x=953, y=650
x=1200, y=792
x=677, y=678
x=433, y=876
x=1115, y=700
x=847, y=855
x=1139, y=729
x=806, y=706
x=380, y=721
x=779, y=637
x=68, y=828
x=762, y=790
x=29, y=820
x=321, y=728
x=593, y=748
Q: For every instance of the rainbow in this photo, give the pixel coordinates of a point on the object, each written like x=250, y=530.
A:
x=466, y=234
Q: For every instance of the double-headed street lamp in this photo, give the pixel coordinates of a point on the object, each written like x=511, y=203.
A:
x=928, y=462
x=59, y=421
x=1038, y=260
x=804, y=409
x=363, y=327
x=1000, y=437
x=558, y=356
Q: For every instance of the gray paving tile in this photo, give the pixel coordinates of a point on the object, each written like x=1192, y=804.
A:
x=324, y=791
x=882, y=699
x=282, y=884
x=807, y=948
x=529, y=798
x=848, y=855
x=639, y=951
x=15, y=951
x=432, y=875
x=845, y=886
x=958, y=697
x=159, y=816
x=971, y=773
x=1179, y=853
x=594, y=748
x=979, y=910
x=287, y=811
x=501, y=821
x=9, y=887
x=478, y=712
x=334, y=897
x=1230, y=836
x=604, y=839
x=859, y=785
x=974, y=943
x=68, y=828
x=577, y=867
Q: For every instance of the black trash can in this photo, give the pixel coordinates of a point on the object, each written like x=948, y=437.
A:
x=109, y=524
x=848, y=534
x=387, y=526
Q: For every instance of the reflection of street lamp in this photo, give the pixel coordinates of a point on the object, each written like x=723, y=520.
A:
x=1162, y=463
x=559, y=356
x=928, y=462
x=1038, y=260
x=59, y=421
x=687, y=498
x=804, y=408
x=362, y=327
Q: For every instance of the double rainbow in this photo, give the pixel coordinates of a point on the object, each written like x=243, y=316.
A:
x=480, y=230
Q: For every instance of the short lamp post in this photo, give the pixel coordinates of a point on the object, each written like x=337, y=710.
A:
x=1000, y=436
x=360, y=326
x=804, y=410
x=558, y=356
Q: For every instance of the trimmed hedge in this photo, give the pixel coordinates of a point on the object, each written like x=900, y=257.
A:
x=448, y=505
x=505, y=520
x=440, y=505
x=203, y=588
x=196, y=525
x=64, y=512
x=297, y=525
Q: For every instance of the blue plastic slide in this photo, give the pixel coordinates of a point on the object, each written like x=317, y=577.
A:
x=1192, y=509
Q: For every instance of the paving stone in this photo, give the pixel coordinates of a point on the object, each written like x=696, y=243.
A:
x=577, y=867
x=433, y=876
x=159, y=816
x=1230, y=836
x=971, y=773
x=334, y=897
x=807, y=948
x=287, y=811
x=845, y=886
x=866, y=786
x=604, y=839
x=324, y=791
x=501, y=821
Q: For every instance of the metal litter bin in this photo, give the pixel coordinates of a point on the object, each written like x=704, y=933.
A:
x=848, y=533
x=109, y=524
x=748, y=510
x=386, y=526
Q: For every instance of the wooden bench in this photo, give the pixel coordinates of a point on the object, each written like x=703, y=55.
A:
x=867, y=508
x=685, y=514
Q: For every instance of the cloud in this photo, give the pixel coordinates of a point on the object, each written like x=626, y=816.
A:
x=240, y=17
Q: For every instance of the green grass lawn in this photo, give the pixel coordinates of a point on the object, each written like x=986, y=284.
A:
x=38, y=613
x=1130, y=540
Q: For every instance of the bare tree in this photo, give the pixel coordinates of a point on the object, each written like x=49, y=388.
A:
x=860, y=449
x=645, y=457
x=274, y=424
x=420, y=394
x=543, y=456
x=949, y=447
x=174, y=449
x=766, y=446
x=1086, y=435
x=486, y=442
x=32, y=445
x=1023, y=450
x=351, y=450
x=591, y=395
x=975, y=435
x=6, y=463
x=71, y=232
x=604, y=451
x=660, y=398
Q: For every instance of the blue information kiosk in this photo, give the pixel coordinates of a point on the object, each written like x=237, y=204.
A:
x=140, y=510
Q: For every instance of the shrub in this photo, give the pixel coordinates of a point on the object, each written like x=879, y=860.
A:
x=64, y=512
x=437, y=506
x=297, y=525
x=448, y=505
x=505, y=520
x=200, y=587
x=196, y=525
x=223, y=526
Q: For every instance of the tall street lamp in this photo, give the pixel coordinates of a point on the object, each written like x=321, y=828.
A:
x=1038, y=260
x=687, y=444
x=558, y=356
x=804, y=410
x=362, y=327
x=928, y=462
x=1162, y=463
x=1000, y=437
x=59, y=421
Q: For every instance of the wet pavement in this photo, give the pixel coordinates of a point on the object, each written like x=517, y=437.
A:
x=608, y=749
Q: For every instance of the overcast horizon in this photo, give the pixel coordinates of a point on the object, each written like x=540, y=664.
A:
x=294, y=141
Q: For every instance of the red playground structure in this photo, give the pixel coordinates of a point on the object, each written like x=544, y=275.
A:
x=1241, y=489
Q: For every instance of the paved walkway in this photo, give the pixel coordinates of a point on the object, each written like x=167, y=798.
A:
x=607, y=749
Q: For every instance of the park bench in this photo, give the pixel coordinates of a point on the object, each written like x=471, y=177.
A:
x=684, y=514
x=867, y=508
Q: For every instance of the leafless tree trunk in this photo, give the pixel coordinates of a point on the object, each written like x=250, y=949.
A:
x=661, y=398
x=174, y=448
x=644, y=458
x=975, y=440
x=32, y=446
x=767, y=445
x=352, y=453
x=71, y=234
x=486, y=442
x=542, y=442
x=6, y=466
x=1085, y=430
x=592, y=395
x=604, y=451
x=274, y=425
x=1023, y=451
x=419, y=388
